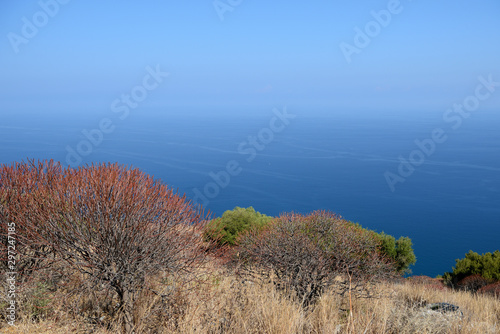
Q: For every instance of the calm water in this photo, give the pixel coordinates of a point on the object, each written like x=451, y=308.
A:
x=320, y=160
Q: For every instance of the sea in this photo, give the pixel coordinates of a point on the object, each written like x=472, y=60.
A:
x=431, y=176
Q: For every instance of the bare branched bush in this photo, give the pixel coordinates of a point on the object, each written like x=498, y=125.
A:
x=285, y=254
x=307, y=254
x=113, y=224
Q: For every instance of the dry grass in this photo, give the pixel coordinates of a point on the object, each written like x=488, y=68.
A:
x=226, y=305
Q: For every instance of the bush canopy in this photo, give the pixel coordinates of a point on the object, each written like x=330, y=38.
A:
x=226, y=229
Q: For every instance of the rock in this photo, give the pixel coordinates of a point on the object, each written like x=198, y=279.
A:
x=445, y=308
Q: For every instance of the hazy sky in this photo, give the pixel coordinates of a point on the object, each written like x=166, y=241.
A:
x=419, y=55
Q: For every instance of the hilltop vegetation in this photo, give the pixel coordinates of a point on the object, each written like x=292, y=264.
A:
x=476, y=273
x=487, y=265
x=233, y=224
x=226, y=229
x=106, y=248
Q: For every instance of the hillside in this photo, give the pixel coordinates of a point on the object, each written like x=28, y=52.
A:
x=110, y=249
x=228, y=305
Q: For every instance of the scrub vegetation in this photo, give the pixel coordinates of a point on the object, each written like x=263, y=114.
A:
x=109, y=249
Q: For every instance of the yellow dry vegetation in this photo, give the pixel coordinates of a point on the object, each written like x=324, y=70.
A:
x=226, y=304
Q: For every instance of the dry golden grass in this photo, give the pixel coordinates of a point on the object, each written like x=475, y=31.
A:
x=226, y=305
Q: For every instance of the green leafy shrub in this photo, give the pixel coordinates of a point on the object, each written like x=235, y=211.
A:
x=226, y=229
x=399, y=251
x=487, y=265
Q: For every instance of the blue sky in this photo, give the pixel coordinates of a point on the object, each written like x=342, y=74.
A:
x=262, y=53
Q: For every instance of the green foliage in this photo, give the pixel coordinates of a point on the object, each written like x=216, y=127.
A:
x=388, y=245
x=400, y=251
x=447, y=278
x=225, y=230
x=487, y=265
x=405, y=257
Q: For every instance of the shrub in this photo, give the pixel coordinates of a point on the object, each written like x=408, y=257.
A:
x=428, y=282
x=20, y=231
x=399, y=251
x=492, y=289
x=487, y=265
x=113, y=224
x=307, y=254
x=473, y=283
x=225, y=230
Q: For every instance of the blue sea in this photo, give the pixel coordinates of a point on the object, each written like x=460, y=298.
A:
x=365, y=165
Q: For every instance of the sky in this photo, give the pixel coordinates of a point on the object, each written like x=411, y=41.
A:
x=80, y=56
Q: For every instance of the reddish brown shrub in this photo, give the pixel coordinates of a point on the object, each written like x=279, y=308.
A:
x=20, y=228
x=491, y=289
x=113, y=224
x=473, y=283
